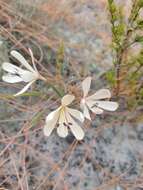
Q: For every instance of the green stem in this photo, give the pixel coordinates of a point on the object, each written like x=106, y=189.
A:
x=60, y=94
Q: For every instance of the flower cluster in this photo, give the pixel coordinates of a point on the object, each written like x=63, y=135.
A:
x=64, y=117
x=16, y=74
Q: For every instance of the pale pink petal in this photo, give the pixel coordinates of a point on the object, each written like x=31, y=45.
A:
x=100, y=94
x=86, y=86
x=75, y=128
x=24, y=89
x=11, y=78
x=62, y=130
x=22, y=60
x=51, y=121
x=67, y=99
x=107, y=105
x=76, y=114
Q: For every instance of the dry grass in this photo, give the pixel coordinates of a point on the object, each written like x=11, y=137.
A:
x=21, y=156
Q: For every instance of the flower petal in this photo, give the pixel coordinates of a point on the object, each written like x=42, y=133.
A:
x=96, y=110
x=32, y=57
x=67, y=99
x=51, y=121
x=11, y=78
x=24, y=89
x=85, y=109
x=100, y=94
x=22, y=60
x=62, y=117
x=62, y=131
x=92, y=106
x=11, y=68
x=76, y=114
x=75, y=128
x=107, y=105
x=86, y=86
x=86, y=112
x=52, y=114
x=28, y=76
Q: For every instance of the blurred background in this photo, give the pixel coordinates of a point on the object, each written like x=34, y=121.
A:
x=84, y=37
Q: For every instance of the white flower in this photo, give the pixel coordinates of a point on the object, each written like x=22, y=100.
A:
x=17, y=74
x=65, y=118
x=94, y=102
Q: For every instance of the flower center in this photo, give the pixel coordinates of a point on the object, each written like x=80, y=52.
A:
x=63, y=119
x=83, y=101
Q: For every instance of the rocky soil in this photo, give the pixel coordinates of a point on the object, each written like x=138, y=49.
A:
x=111, y=155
